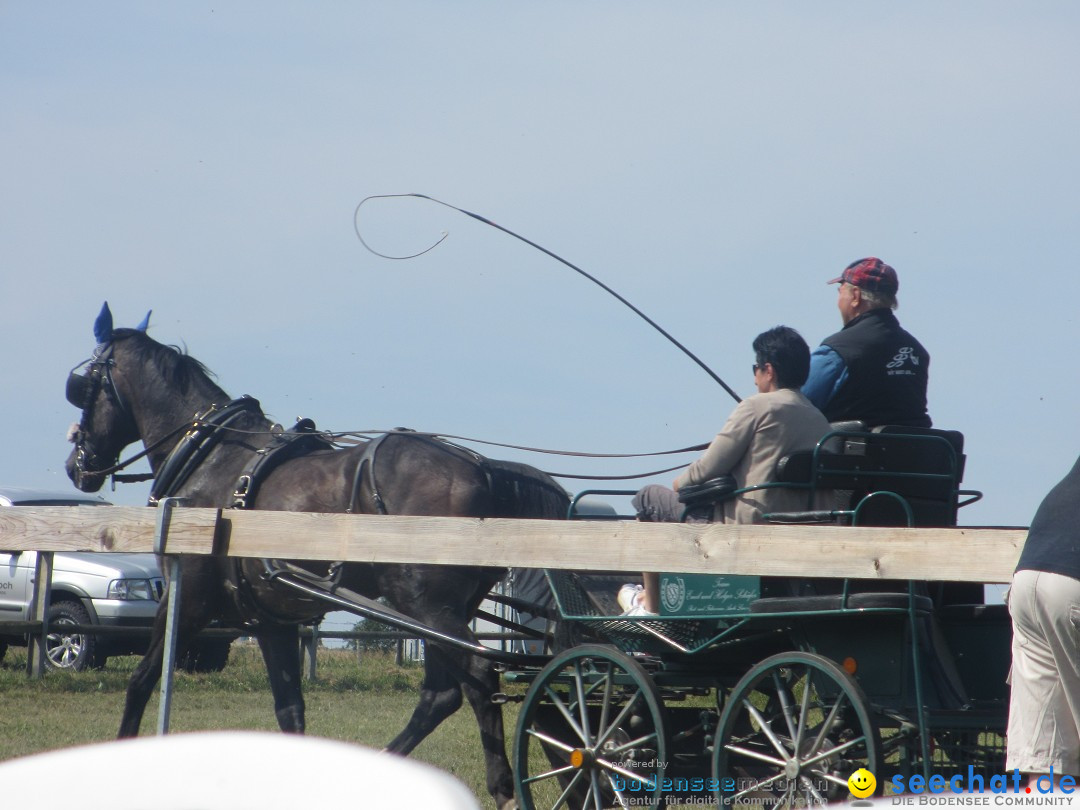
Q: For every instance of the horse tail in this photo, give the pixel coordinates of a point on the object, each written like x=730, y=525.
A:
x=522, y=491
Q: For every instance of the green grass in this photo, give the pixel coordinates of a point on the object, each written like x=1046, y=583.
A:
x=365, y=704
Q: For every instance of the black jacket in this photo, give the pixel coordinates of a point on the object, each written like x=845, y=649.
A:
x=887, y=373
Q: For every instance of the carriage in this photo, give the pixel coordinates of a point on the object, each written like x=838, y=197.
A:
x=755, y=690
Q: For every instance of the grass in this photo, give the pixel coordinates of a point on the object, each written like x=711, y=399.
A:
x=365, y=704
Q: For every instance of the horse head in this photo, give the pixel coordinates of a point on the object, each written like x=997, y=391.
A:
x=107, y=424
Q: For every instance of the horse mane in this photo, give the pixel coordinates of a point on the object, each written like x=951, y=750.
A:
x=175, y=365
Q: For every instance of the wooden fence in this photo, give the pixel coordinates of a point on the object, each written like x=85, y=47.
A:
x=970, y=554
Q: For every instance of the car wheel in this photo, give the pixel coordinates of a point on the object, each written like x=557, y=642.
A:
x=64, y=649
x=206, y=655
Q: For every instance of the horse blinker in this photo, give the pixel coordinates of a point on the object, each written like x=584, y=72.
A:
x=79, y=390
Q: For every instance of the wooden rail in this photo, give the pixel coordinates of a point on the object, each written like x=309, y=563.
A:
x=974, y=554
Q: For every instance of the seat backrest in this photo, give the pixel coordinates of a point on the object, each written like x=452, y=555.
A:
x=921, y=465
x=799, y=467
x=954, y=437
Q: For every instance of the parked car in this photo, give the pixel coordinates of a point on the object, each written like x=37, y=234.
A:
x=89, y=588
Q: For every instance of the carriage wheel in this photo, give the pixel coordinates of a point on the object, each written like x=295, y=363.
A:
x=590, y=734
x=794, y=729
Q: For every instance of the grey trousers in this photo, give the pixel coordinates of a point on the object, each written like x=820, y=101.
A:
x=660, y=504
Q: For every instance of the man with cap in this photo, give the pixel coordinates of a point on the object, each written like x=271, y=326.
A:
x=872, y=370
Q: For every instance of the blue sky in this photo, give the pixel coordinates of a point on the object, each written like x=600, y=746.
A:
x=714, y=162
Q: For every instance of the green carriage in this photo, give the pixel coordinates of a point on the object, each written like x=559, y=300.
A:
x=759, y=690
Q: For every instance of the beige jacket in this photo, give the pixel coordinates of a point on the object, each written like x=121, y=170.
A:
x=761, y=430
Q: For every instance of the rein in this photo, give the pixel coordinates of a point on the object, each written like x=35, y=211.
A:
x=134, y=478
x=195, y=426
x=575, y=453
x=358, y=436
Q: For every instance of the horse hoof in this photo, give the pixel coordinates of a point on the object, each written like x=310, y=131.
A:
x=509, y=804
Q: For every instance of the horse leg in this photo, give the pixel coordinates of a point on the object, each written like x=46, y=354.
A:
x=480, y=682
x=280, y=646
x=447, y=674
x=444, y=599
x=440, y=697
x=148, y=672
x=142, y=682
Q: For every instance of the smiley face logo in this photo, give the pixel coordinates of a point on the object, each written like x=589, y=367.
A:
x=862, y=783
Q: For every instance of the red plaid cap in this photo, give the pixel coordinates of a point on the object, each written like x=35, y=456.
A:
x=870, y=274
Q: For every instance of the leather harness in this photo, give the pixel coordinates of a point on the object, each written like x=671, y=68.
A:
x=301, y=439
x=501, y=482
x=195, y=445
x=192, y=449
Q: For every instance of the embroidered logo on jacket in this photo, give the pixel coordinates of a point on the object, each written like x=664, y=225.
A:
x=902, y=362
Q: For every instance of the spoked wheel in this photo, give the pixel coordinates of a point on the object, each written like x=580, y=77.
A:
x=794, y=729
x=590, y=734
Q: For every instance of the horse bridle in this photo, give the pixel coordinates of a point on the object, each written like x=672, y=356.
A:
x=82, y=392
x=82, y=389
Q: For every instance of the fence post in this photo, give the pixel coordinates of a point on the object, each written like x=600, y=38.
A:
x=39, y=612
x=172, y=610
x=308, y=647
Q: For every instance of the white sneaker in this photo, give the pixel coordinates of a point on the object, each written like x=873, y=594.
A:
x=631, y=599
x=630, y=595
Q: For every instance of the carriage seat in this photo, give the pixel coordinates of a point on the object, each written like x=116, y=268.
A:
x=793, y=471
x=855, y=601
x=707, y=493
x=796, y=471
x=887, y=476
x=921, y=468
x=850, y=426
x=924, y=466
x=802, y=518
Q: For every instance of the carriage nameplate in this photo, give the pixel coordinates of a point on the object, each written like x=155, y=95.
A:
x=707, y=594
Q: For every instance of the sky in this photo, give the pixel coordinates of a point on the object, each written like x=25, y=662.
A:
x=716, y=163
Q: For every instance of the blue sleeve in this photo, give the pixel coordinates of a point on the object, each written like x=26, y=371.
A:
x=827, y=373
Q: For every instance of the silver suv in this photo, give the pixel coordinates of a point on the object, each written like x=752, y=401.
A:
x=89, y=588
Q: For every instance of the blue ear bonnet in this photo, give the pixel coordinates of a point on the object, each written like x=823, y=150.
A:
x=103, y=326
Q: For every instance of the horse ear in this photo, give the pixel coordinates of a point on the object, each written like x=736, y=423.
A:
x=103, y=326
x=145, y=323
